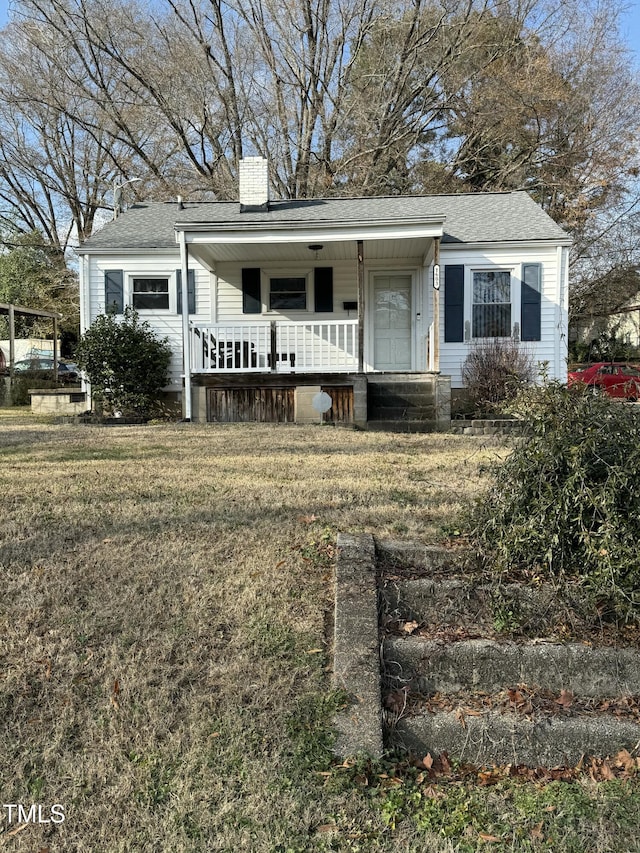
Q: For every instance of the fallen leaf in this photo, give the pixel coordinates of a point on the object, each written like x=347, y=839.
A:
x=624, y=759
x=314, y=651
x=307, y=519
x=280, y=564
x=483, y=836
x=427, y=761
x=114, y=695
x=515, y=696
x=326, y=827
x=460, y=718
x=606, y=771
x=409, y=627
x=433, y=793
x=17, y=829
x=565, y=699
x=536, y=832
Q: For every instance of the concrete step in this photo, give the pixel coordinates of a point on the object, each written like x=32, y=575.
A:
x=389, y=413
x=400, y=397
x=504, y=738
x=431, y=666
x=402, y=425
x=444, y=600
x=407, y=554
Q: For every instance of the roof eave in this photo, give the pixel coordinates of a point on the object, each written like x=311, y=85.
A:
x=299, y=232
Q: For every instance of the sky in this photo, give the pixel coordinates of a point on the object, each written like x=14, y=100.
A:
x=630, y=24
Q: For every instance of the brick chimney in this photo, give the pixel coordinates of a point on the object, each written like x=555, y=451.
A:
x=254, y=183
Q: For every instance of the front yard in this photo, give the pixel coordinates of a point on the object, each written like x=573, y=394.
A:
x=165, y=646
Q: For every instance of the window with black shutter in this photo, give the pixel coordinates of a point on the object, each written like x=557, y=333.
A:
x=251, y=298
x=191, y=291
x=114, y=291
x=454, y=303
x=323, y=289
x=531, y=302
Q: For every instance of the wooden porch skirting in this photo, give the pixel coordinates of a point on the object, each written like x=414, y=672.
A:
x=279, y=398
x=417, y=402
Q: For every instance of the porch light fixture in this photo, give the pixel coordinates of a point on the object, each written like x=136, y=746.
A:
x=315, y=247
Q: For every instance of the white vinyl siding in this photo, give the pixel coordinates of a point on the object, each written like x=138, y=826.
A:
x=166, y=323
x=452, y=355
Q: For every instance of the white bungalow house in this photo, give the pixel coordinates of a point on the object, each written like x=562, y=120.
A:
x=277, y=310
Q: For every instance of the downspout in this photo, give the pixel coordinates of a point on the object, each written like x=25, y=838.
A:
x=186, y=341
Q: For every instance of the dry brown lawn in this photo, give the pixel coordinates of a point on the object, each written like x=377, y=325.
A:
x=163, y=642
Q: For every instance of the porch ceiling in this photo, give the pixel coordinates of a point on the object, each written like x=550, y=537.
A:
x=378, y=250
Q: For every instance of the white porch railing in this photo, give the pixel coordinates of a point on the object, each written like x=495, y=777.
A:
x=280, y=347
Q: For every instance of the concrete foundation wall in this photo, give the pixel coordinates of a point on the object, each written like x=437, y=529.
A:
x=58, y=401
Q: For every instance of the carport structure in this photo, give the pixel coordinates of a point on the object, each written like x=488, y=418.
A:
x=18, y=310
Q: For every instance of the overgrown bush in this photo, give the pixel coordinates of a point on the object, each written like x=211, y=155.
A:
x=125, y=362
x=608, y=346
x=566, y=502
x=494, y=372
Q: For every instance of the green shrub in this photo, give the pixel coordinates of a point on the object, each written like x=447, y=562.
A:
x=566, y=502
x=494, y=372
x=125, y=362
x=607, y=346
x=26, y=379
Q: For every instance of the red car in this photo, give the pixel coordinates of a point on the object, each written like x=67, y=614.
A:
x=616, y=380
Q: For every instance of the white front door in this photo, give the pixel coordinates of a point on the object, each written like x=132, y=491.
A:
x=392, y=322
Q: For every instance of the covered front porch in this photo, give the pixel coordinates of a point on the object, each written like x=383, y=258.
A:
x=306, y=299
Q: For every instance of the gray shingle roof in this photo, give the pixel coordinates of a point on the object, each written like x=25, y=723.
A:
x=468, y=218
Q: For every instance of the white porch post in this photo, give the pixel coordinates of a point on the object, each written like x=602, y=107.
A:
x=186, y=341
x=361, y=306
x=435, y=360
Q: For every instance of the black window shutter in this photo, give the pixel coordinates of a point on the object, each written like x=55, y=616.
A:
x=114, y=291
x=454, y=303
x=530, y=302
x=251, y=299
x=323, y=289
x=191, y=291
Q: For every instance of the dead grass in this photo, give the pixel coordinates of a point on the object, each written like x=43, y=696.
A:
x=163, y=650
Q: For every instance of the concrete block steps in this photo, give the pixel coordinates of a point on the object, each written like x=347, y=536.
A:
x=451, y=680
x=494, y=738
x=487, y=665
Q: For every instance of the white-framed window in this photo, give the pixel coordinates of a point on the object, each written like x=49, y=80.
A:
x=491, y=303
x=150, y=293
x=287, y=293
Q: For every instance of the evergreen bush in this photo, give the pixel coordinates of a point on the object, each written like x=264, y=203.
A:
x=566, y=502
x=125, y=362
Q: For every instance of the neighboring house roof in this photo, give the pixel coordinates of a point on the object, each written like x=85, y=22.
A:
x=468, y=218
